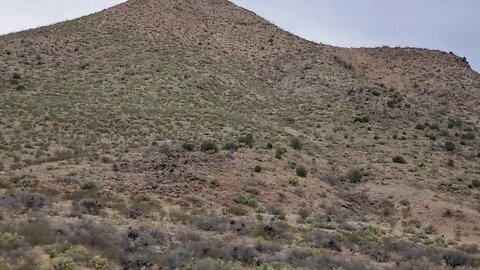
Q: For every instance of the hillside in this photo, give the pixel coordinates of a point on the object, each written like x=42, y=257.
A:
x=190, y=134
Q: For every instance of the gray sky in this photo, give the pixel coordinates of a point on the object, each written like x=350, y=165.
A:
x=448, y=25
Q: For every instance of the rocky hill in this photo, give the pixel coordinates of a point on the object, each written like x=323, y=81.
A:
x=196, y=135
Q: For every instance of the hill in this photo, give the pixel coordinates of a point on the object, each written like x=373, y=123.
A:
x=196, y=135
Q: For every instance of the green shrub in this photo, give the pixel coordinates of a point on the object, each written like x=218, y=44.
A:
x=404, y=202
x=361, y=119
x=279, y=153
x=24, y=181
x=304, y=213
x=468, y=136
x=450, y=163
x=367, y=235
x=293, y=182
x=399, y=159
x=214, y=183
x=450, y=146
x=476, y=183
x=188, y=146
x=296, y=144
x=420, y=127
x=258, y=168
x=275, y=266
x=242, y=199
x=209, y=147
x=16, y=76
x=89, y=185
x=354, y=175
x=253, y=191
x=231, y=147
x=247, y=140
x=236, y=210
x=301, y=171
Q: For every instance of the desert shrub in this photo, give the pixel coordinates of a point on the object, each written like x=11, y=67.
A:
x=23, y=201
x=102, y=237
x=476, y=183
x=210, y=223
x=188, y=146
x=420, y=127
x=455, y=258
x=245, y=200
x=293, y=182
x=386, y=207
x=38, y=232
x=258, y=168
x=247, y=140
x=231, y=147
x=450, y=146
x=236, y=210
x=24, y=181
x=296, y=143
x=367, y=235
x=478, y=154
x=142, y=208
x=354, y=175
x=468, y=136
x=16, y=76
x=269, y=146
x=209, y=264
x=307, y=259
x=361, y=119
x=277, y=211
x=2, y=166
x=209, y=147
x=274, y=232
x=89, y=185
x=106, y=159
x=450, y=163
x=470, y=248
x=213, y=183
x=301, y=171
x=320, y=239
x=399, y=159
x=181, y=255
x=137, y=259
x=279, y=153
x=275, y=266
x=404, y=202
x=87, y=206
x=252, y=190
x=304, y=213
x=9, y=240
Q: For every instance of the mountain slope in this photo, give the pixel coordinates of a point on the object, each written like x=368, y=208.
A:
x=329, y=157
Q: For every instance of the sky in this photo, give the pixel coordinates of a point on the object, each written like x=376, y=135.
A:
x=447, y=25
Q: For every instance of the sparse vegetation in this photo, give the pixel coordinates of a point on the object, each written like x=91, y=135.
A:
x=112, y=127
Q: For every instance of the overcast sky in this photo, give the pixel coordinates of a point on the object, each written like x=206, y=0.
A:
x=448, y=25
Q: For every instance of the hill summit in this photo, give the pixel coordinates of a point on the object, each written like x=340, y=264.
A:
x=194, y=134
